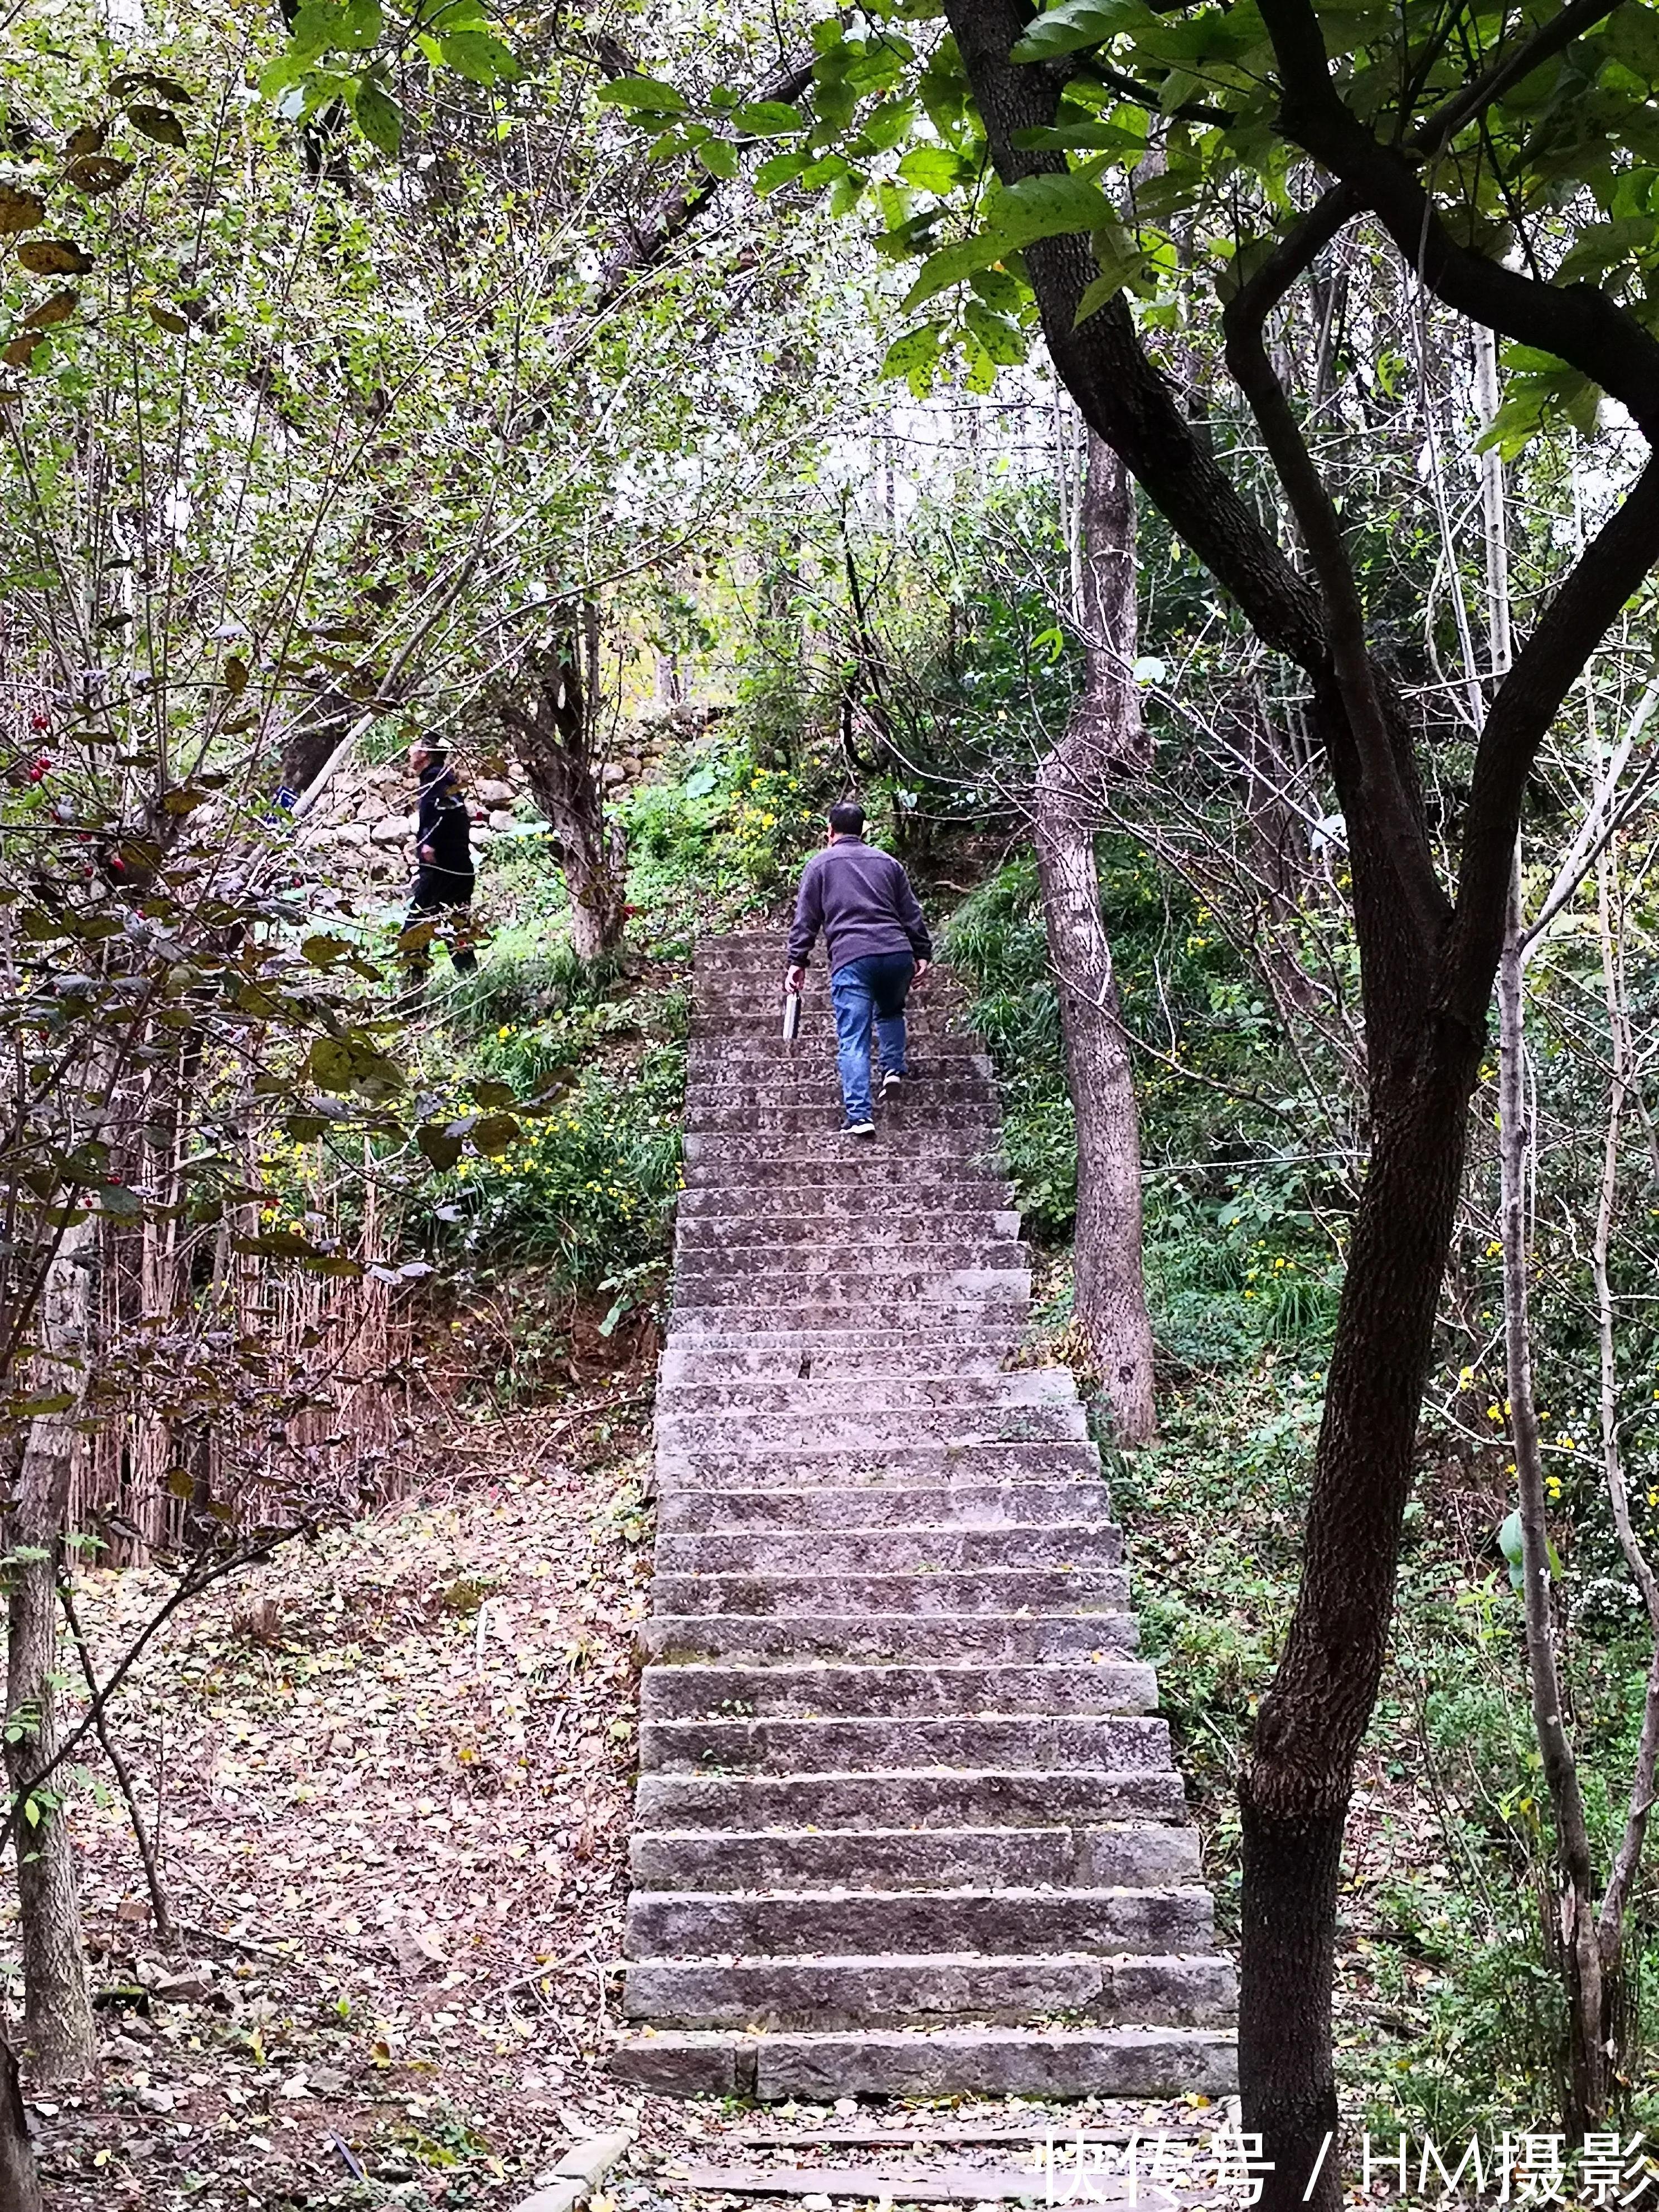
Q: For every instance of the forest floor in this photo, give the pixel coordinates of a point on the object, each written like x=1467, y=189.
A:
x=392, y=1774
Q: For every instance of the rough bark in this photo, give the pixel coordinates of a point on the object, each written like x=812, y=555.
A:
x=58, y=2011
x=19, y=2181
x=551, y=725
x=1102, y=741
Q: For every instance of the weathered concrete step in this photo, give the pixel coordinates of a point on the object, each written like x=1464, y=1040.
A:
x=776, y=1358
x=992, y=1589
x=998, y=1923
x=969, y=1741
x=857, y=1992
x=922, y=1120
x=722, y=1085
x=800, y=1269
x=924, y=1199
x=898, y=1638
x=876, y=1330
x=888, y=1551
x=727, y=1692
x=890, y=1153
x=838, y=1176
x=1006, y=1505
x=1025, y=1386
x=1002, y=1315
x=978, y=2062
x=1122, y=1857
x=861, y=1464
x=730, y=1233
x=741, y=1037
x=964, y=1425
x=922, y=1798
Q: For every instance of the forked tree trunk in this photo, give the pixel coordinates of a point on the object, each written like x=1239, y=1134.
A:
x=1103, y=742
x=57, y=2011
x=553, y=735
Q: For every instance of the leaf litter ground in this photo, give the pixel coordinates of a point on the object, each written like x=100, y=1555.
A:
x=392, y=1777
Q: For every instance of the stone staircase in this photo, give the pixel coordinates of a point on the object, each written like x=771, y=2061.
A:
x=906, y=1822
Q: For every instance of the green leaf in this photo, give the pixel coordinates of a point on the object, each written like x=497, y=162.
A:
x=1048, y=207
x=1002, y=340
x=1633, y=34
x=438, y=1145
x=495, y=1134
x=1076, y=24
x=479, y=56
x=999, y=290
x=770, y=118
x=718, y=156
x=951, y=265
x=915, y=357
x=1094, y=297
x=934, y=169
x=160, y=124
x=648, y=95
x=781, y=169
x=378, y=118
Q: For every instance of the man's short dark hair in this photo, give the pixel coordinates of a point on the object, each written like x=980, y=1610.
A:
x=847, y=819
x=434, y=749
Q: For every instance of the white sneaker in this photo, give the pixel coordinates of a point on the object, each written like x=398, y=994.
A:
x=860, y=1128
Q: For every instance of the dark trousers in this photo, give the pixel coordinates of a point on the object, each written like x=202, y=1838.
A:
x=869, y=993
x=440, y=904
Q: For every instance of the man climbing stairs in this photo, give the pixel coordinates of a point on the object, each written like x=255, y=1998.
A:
x=906, y=1822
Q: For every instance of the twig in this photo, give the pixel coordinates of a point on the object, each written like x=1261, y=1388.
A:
x=166, y=1932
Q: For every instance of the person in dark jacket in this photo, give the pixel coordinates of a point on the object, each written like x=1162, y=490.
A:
x=441, y=897
x=878, y=942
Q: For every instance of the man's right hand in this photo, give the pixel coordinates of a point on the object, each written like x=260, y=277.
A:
x=922, y=967
x=795, y=981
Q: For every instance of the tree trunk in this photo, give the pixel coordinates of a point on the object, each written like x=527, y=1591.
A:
x=20, y=2182
x=553, y=737
x=58, y=2024
x=1294, y=1794
x=1102, y=741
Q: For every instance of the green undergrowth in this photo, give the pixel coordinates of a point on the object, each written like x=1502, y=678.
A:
x=1447, y=2014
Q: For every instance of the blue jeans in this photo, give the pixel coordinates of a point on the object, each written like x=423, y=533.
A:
x=871, y=990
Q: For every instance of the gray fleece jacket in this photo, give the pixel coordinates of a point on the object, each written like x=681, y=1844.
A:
x=861, y=899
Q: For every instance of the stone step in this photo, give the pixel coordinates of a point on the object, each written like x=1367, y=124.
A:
x=822, y=1086
x=895, y=1154
x=836, y=1176
x=779, y=1359
x=895, y=1639
x=890, y=1226
x=917, y=1327
x=810, y=1198
x=922, y=1120
x=942, y=1257
x=857, y=1992
x=888, y=1551
x=1003, y=1315
x=962, y=1424
x=1006, y=1505
x=995, y=1922
x=1122, y=1857
x=968, y=1742
x=920, y=1797
x=901, y=1790
x=991, y=1589
x=974, y=2061
x=745, y=1037
x=863, y=1465
x=813, y=1394
x=1103, y=1686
